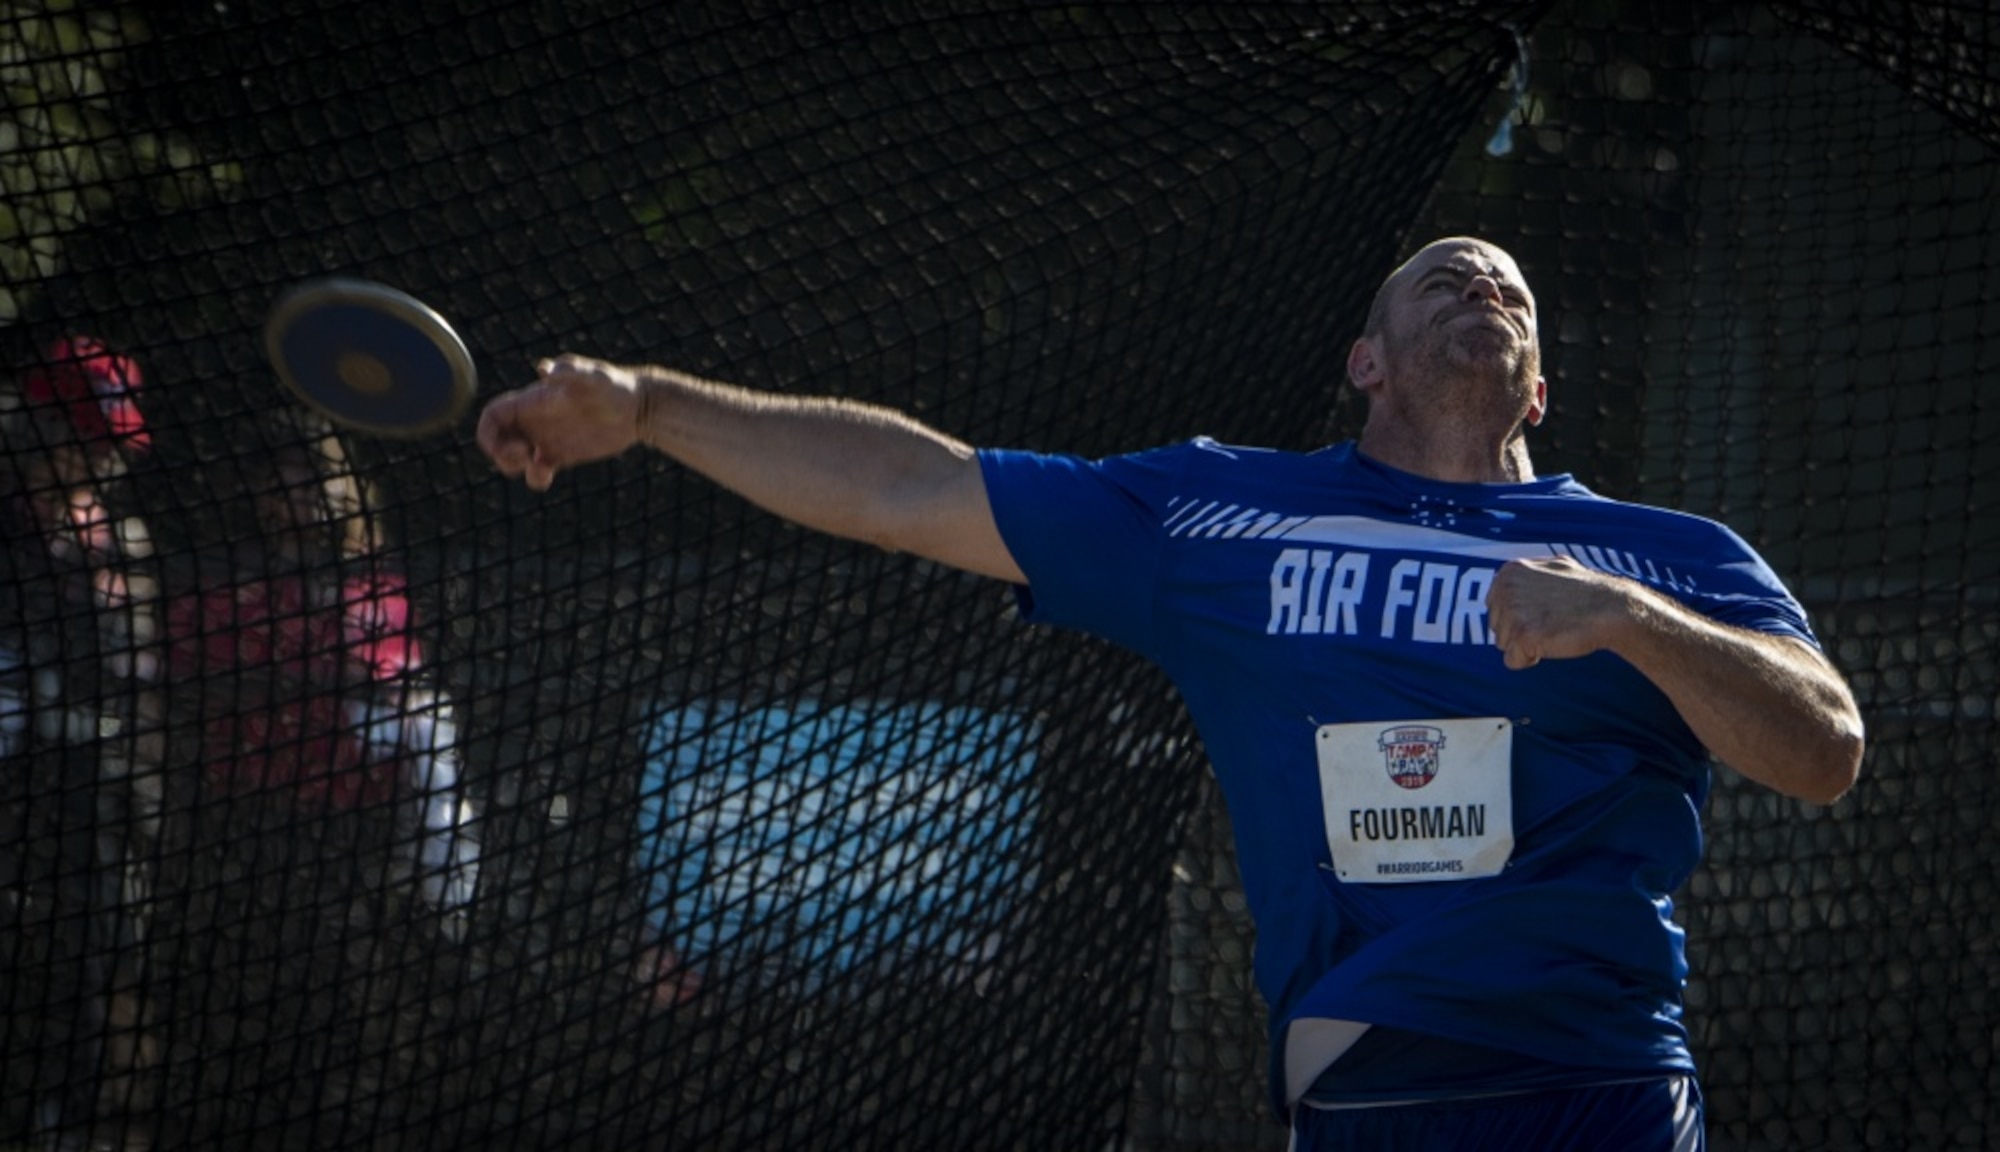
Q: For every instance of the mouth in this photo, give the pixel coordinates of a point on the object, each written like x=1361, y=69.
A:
x=1483, y=318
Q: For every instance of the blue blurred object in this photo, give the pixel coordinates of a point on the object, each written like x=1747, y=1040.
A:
x=825, y=839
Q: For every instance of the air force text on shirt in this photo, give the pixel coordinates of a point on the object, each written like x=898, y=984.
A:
x=1353, y=592
x=1320, y=591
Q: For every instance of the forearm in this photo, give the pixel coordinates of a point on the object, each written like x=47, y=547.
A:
x=838, y=466
x=849, y=469
x=1769, y=707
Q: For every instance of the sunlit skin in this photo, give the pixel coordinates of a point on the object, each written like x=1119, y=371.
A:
x=1451, y=366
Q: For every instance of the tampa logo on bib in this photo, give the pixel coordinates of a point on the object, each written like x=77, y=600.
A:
x=1461, y=827
x=1412, y=754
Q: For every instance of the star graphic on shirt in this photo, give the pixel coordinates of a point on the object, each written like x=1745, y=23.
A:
x=1434, y=512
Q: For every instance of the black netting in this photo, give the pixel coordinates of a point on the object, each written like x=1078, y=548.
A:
x=782, y=841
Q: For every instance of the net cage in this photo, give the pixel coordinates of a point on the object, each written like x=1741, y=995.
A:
x=356, y=797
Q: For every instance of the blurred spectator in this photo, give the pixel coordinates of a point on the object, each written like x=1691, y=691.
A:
x=80, y=731
x=312, y=677
x=90, y=393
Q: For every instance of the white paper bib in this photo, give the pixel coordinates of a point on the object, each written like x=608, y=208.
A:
x=1419, y=800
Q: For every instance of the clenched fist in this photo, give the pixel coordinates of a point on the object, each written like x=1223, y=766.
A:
x=579, y=410
x=1558, y=609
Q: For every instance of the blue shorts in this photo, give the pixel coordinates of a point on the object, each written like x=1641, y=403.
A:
x=1659, y=1115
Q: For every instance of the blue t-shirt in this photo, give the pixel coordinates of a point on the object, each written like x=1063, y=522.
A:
x=1287, y=595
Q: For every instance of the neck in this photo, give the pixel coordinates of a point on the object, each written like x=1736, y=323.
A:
x=1454, y=455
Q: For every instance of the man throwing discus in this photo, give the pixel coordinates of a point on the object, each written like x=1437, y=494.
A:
x=1462, y=714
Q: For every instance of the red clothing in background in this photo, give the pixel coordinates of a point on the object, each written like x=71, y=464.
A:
x=295, y=653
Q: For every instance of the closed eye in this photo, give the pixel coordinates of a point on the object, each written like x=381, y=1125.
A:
x=1448, y=281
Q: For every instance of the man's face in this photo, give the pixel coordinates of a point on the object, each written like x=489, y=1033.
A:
x=1461, y=309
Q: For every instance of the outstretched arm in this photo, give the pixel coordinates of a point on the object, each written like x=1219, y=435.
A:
x=850, y=469
x=1770, y=707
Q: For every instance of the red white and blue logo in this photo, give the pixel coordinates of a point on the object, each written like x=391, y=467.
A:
x=1411, y=753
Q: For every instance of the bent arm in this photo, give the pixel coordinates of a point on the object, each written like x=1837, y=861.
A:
x=842, y=467
x=1770, y=707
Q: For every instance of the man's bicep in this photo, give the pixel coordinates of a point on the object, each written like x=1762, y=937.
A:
x=956, y=527
x=1087, y=535
x=1802, y=649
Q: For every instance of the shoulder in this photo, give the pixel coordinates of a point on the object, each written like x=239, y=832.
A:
x=1206, y=452
x=1653, y=522
x=1158, y=476
x=1701, y=561
x=1198, y=455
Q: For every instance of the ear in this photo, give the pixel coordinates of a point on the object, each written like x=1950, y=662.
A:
x=1540, y=407
x=1364, y=364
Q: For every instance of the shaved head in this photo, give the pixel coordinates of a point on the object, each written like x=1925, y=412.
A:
x=1451, y=352
x=1378, y=309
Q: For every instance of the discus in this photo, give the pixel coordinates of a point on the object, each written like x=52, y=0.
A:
x=370, y=358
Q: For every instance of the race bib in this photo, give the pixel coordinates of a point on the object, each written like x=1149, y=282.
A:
x=1417, y=800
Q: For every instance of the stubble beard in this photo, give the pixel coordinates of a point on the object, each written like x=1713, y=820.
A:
x=1468, y=381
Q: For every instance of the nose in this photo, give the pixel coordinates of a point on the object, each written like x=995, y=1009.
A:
x=1483, y=286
